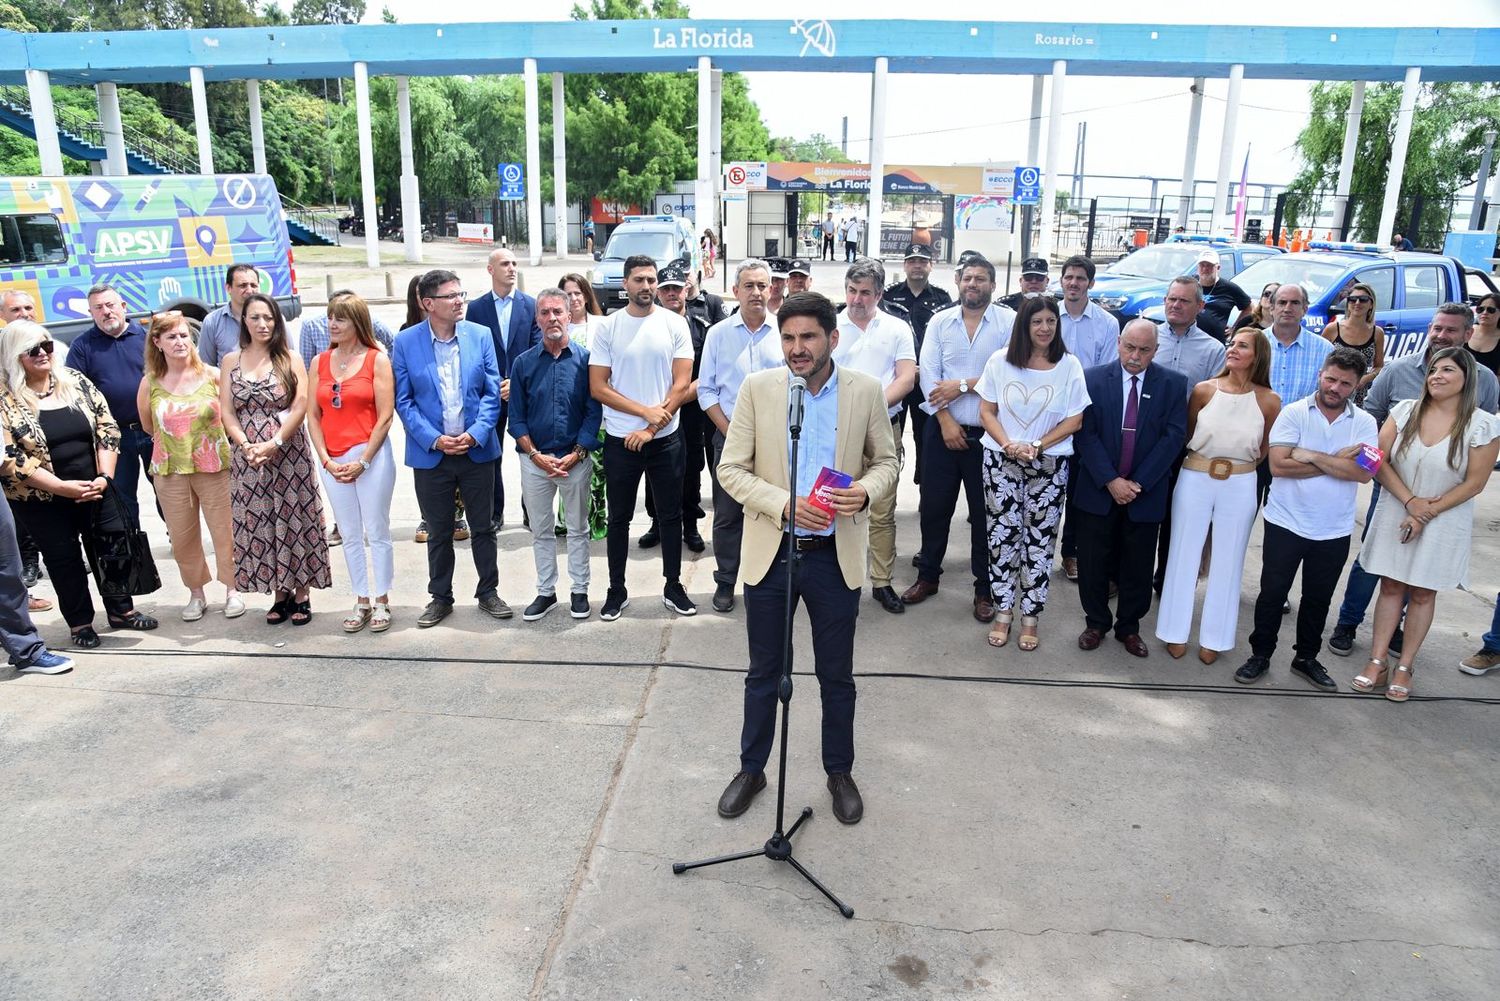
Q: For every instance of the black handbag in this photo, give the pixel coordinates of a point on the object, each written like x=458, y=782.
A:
x=121, y=559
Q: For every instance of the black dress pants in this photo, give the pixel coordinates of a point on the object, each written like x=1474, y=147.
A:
x=947, y=472
x=475, y=483
x=1112, y=547
x=661, y=461
x=1322, y=564
x=64, y=532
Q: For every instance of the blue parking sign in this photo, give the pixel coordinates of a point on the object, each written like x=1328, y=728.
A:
x=1028, y=189
x=512, y=182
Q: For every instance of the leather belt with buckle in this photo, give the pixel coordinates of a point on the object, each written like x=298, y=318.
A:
x=808, y=543
x=1217, y=468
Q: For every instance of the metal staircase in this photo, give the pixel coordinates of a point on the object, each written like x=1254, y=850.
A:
x=81, y=137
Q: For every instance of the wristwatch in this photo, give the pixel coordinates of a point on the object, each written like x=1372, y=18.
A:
x=1037, y=445
x=963, y=385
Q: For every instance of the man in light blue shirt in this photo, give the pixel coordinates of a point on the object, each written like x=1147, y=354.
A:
x=958, y=343
x=1297, y=354
x=219, y=334
x=734, y=348
x=1088, y=330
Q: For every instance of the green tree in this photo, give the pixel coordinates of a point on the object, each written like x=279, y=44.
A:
x=817, y=148
x=328, y=11
x=13, y=18
x=1447, y=140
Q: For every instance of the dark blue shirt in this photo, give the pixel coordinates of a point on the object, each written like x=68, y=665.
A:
x=550, y=400
x=115, y=365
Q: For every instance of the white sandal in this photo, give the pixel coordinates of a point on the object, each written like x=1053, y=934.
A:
x=358, y=619
x=380, y=618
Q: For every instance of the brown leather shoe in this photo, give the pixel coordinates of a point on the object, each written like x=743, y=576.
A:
x=847, y=804
x=1134, y=645
x=1177, y=650
x=740, y=793
x=1090, y=639
x=1070, y=568
x=919, y=592
x=984, y=608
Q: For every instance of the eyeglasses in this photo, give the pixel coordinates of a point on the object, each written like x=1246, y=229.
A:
x=452, y=297
x=44, y=348
x=1360, y=300
x=337, y=402
x=1487, y=309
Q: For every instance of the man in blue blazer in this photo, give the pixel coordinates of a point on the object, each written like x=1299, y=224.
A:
x=448, y=398
x=1133, y=430
x=510, y=315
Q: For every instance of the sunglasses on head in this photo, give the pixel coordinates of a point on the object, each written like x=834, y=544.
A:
x=1360, y=300
x=44, y=348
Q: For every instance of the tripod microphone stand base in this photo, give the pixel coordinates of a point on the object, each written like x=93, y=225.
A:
x=779, y=849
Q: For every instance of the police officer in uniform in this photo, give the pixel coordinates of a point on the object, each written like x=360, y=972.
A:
x=779, y=268
x=1033, y=282
x=920, y=300
x=798, y=276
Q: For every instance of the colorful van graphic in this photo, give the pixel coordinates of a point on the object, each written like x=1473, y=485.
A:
x=163, y=242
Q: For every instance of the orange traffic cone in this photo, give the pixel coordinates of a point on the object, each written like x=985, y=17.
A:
x=1283, y=241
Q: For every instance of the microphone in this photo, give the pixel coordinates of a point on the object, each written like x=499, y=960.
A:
x=796, y=392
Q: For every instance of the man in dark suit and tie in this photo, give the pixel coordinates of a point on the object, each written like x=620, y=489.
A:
x=1133, y=430
x=510, y=315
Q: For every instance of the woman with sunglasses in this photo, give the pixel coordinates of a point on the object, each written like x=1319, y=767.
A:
x=65, y=445
x=353, y=400
x=279, y=545
x=1484, y=345
x=1356, y=329
x=178, y=403
x=1258, y=315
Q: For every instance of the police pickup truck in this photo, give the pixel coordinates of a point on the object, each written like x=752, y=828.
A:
x=1138, y=282
x=1409, y=286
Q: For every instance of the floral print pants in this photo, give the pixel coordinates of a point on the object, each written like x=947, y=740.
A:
x=1024, y=504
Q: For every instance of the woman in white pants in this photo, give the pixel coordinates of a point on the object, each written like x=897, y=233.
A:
x=1229, y=422
x=353, y=400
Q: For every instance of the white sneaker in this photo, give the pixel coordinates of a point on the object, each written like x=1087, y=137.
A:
x=234, y=606
x=193, y=610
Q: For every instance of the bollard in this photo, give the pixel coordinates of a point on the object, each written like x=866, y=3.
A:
x=328, y=287
x=390, y=286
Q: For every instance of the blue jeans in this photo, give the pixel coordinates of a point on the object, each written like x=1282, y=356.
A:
x=1361, y=586
x=135, y=458
x=1492, y=638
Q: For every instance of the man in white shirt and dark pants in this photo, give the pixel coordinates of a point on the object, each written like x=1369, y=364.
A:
x=876, y=343
x=641, y=370
x=1315, y=444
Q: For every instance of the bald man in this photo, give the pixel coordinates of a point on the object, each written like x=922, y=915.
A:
x=510, y=315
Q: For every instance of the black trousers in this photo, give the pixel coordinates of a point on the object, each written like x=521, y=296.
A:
x=828, y=246
x=1322, y=564
x=1070, y=518
x=832, y=608
x=919, y=420
x=1112, y=547
x=60, y=527
x=947, y=472
x=475, y=483
x=699, y=455
x=661, y=461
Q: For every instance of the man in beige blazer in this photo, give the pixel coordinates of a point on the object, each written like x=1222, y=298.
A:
x=845, y=428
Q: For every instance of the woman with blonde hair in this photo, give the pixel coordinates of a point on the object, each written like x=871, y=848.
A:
x=279, y=544
x=1356, y=329
x=178, y=402
x=65, y=445
x=1228, y=429
x=352, y=402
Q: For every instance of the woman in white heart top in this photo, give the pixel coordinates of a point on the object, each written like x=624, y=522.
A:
x=1032, y=400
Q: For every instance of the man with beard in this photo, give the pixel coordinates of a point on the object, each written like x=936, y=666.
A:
x=220, y=333
x=1315, y=446
x=919, y=299
x=959, y=342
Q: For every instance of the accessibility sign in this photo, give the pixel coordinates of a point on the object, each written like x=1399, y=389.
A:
x=512, y=182
x=1028, y=189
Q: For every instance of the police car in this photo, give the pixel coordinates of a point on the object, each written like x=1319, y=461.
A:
x=663, y=238
x=1138, y=281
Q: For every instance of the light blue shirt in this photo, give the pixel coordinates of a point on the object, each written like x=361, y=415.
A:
x=218, y=336
x=1093, y=337
x=502, y=315
x=948, y=353
x=1195, y=355
x=818, y=446
x=450, y=383
x=731, y=351
x=1295, y=368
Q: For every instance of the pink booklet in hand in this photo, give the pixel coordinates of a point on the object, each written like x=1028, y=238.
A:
x=1369, y=459
x=828, y=479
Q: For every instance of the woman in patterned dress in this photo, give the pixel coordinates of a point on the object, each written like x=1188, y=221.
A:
x=279, y=544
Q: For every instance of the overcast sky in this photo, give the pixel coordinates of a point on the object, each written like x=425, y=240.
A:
x=1135, y=126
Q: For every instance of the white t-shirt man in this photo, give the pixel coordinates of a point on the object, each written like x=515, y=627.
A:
x=639, y=351
x=876, y=349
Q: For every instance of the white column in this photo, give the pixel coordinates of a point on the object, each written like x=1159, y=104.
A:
x=200, y=121
x=1484, y=171
x=411, y=204
x=703, y=187
x=1049, y=175
x=877, y=157
x=1034, y=130
x=366, y=164
x=1402, y=139
x=44, y=119
x=1492, y=220
x=533, y=165
x=559, y=168
x=114, y=132
x=1190, y=155
x=716, y=145
x=257, y=130
x=1222, y=220
x=1346, y=158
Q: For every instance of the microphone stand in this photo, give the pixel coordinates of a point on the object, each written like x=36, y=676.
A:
x=778, y=848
